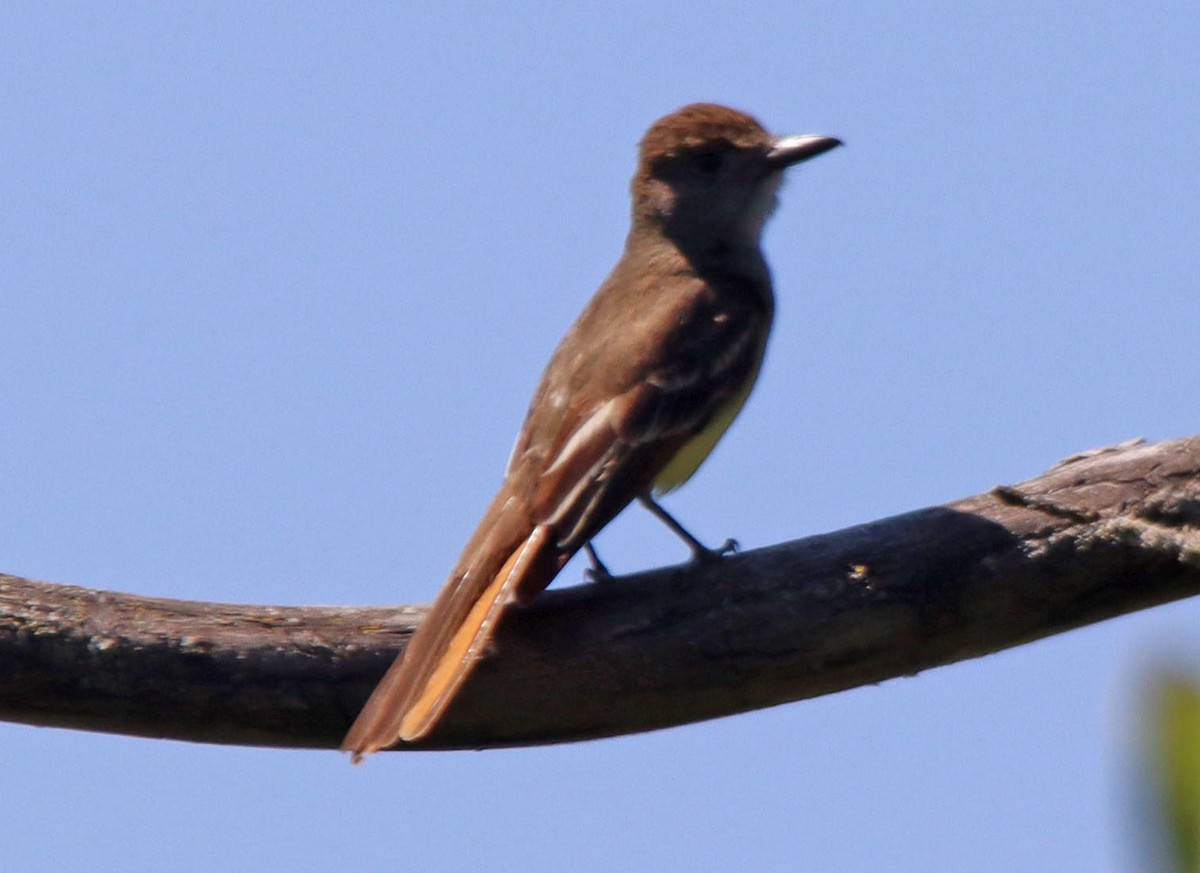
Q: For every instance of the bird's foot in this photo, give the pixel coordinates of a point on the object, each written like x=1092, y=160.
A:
x=702, y=554
x=597, y=572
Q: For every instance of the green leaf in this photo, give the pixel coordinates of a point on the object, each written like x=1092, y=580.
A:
x=1178, y=764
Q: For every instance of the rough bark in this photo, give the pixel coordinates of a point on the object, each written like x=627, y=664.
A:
x=1101, y=534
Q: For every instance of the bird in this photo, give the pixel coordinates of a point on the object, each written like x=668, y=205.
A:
x=634, y=398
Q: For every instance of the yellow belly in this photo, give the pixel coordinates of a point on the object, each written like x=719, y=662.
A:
x=694, y=451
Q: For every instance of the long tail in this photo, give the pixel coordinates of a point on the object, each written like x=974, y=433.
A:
x=508, y=559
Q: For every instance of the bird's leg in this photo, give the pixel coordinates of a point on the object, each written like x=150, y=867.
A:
x=597, y=572
x=700, y=552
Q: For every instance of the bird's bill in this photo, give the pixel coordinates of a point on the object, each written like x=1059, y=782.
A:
x=789, y=150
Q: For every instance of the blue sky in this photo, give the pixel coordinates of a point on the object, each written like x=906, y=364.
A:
x=277, y=282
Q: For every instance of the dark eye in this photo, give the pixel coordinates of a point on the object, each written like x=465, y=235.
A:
x=709, y=162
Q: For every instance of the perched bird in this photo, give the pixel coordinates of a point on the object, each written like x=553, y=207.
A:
x=634, y=398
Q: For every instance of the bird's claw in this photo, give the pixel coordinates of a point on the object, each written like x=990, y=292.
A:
x=705, y=554
x=598, y=575
x=597, y=572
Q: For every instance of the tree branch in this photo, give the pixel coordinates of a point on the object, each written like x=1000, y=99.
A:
x=1101, y=534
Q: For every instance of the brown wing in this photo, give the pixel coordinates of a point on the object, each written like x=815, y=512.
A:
x=611, y=411
x=704, y=361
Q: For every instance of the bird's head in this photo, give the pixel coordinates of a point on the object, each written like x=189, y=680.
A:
x=707, y=175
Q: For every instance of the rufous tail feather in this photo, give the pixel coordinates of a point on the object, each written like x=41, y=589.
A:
x=419, y=686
